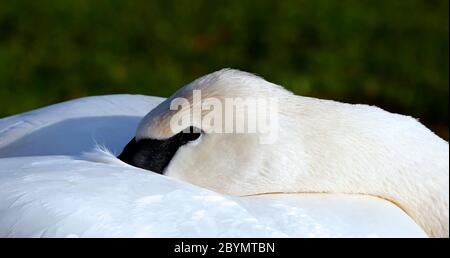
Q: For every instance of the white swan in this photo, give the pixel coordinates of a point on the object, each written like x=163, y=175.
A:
x=44, y=194
x=322, y=146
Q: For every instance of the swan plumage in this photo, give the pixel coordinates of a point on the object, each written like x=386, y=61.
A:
x=71, y=194
x=322, y=146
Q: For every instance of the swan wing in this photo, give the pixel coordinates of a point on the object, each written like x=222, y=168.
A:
x=76, y=126
x=62, y=196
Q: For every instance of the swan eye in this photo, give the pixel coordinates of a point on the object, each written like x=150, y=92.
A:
x=191, y=134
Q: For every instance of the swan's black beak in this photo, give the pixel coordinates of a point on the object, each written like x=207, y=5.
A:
x=153, y=154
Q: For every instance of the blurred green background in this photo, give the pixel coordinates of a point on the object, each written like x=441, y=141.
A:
x=393, y=54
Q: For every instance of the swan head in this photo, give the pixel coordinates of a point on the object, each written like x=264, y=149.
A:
x=202, y=143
